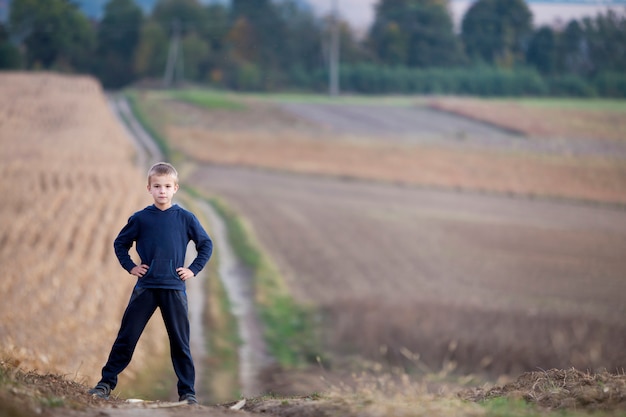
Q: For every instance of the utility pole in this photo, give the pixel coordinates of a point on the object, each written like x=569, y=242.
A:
x=172, y=56
x=334, y=51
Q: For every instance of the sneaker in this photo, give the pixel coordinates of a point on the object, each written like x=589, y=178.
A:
x=101, y=390
x=190, y=398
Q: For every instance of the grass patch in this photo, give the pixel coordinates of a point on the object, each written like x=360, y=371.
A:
x=208, y=99
x=52, y=402
x=507, y=407
x=289, y=327
x=355, y=99
x=517, y=407
x=212, y=99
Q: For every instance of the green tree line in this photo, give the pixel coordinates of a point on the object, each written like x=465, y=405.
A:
x=265, y=45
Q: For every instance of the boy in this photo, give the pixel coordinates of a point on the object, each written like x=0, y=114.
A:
x=161, y=233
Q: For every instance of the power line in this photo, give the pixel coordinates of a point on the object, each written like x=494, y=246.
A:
x=174, y=64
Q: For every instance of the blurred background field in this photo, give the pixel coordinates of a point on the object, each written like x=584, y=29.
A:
x=492, y=253
x=441, y=204
x=527, y=149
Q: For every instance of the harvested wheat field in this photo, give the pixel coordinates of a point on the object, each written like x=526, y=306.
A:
x=69, y=183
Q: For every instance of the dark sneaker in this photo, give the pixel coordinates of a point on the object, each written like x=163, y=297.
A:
x=190, y=398
x=102, y=390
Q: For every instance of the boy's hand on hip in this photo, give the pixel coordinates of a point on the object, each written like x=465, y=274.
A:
x=185, y=273
x=139, y=270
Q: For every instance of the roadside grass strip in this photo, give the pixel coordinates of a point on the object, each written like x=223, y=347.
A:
x=208, y=99
x=289, y=327
x=216, y=100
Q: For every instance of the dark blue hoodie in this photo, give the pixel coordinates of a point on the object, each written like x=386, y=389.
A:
x=162, y=237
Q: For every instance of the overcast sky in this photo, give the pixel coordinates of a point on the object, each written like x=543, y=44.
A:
x=360, y=13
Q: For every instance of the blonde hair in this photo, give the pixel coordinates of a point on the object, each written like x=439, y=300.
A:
x=163, y=168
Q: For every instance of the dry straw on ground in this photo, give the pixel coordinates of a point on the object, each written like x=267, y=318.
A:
x=69, y=183
x=561, y=389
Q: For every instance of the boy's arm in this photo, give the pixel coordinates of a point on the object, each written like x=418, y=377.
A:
x=204, y=246
x=123, y=242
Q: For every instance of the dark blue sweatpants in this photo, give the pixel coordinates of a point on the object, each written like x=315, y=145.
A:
x=143, y=302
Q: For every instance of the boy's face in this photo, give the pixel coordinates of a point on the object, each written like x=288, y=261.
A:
x=162, y=188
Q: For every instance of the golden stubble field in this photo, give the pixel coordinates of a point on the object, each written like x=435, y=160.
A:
x=69, y=183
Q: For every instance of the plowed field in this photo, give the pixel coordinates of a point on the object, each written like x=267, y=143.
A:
x=477, y=282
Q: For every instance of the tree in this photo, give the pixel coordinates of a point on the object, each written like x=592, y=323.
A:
x=54, y=33
x=267, y=35
x=242, y=42
x=118, y=38
x=414, y=33
x=352, y=50
x=606, y=39
x=253, y=10
x=185, y=22
x=574, y=51
x=216, y=26
x=195, y=57
x=497, y=31
x=543, y=51
x=9, y=54
x=303, y=36
x=188, y=14
x=151, y=54
x=389, y=43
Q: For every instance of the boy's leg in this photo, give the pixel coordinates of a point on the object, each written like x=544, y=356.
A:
x=140, y=308
x=175, y=316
